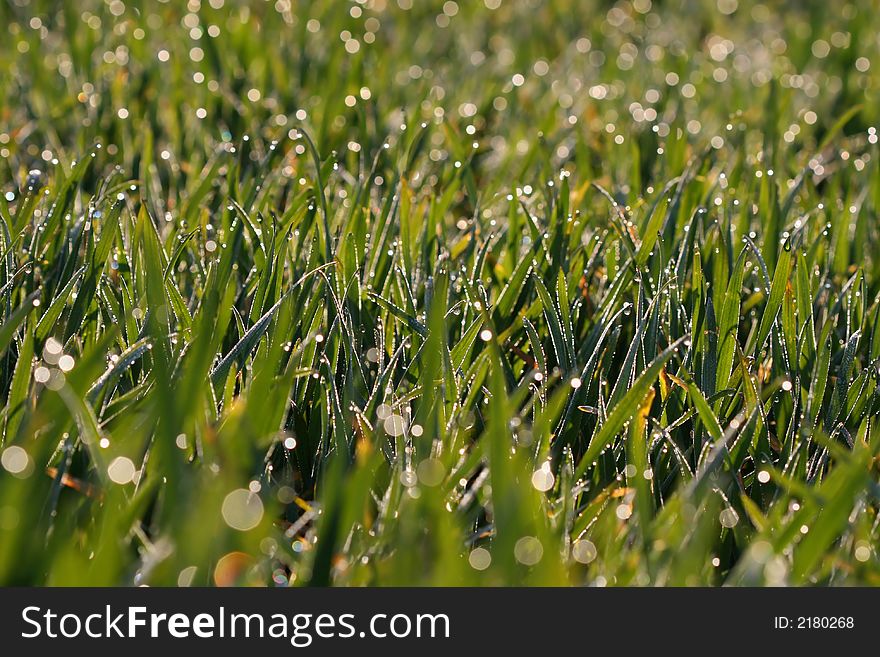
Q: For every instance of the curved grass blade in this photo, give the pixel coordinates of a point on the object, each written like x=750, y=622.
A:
x=625, y=408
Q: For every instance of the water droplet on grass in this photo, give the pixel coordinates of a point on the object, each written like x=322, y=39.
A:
x=242, y=510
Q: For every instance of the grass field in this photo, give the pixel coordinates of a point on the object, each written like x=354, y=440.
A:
x=394, y=292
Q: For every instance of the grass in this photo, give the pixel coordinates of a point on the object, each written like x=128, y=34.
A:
x=409, y=293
